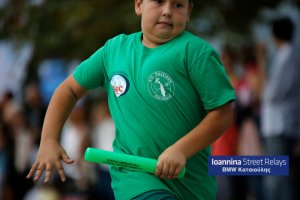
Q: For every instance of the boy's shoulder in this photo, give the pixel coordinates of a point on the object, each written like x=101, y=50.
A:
x=121, y=41
x=196, y=42
x=193, y=36
x=124, y=37
x=197, y=39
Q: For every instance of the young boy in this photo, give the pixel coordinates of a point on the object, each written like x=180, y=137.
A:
x=169, y=97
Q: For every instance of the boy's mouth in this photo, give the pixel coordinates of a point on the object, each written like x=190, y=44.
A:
x=165, y=23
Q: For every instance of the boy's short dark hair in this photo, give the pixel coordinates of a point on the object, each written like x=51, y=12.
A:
x=283, y=28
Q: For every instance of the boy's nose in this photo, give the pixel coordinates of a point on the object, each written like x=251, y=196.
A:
x=167, y=10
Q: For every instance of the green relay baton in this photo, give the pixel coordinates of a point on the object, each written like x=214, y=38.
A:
x=131, y=162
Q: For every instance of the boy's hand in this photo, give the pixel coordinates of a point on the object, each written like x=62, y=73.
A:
x=48, y=158
x=170, y=163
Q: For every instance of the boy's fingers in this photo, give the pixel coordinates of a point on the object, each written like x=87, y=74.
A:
x=61, y=171
x=159, y=168
x=66, y=158
x=32, y=170
x=165, y=171
x=48, y=173
x=39, y=172
x=171, y=172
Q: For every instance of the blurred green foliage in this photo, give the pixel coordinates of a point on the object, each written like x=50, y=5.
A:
x=75, y=28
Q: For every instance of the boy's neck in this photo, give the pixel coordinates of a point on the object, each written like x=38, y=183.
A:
x=148, y=43
x=152, y=44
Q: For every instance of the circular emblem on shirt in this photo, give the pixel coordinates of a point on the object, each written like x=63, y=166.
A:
x=119, y=84
x=161, y=86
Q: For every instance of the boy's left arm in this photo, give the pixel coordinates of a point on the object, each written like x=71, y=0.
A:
x=173, y=159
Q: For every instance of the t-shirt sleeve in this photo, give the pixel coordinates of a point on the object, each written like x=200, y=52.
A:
x=210, y=79
x=90, y=74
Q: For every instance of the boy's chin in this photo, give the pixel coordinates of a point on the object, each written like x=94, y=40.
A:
x=168, y=37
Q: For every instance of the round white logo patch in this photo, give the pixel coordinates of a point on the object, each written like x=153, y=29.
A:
x=161, y=86
x=120, y=84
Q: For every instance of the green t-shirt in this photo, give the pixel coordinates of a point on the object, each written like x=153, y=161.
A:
x=156, y=96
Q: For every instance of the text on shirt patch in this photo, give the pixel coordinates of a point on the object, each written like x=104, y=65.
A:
x=119, y=84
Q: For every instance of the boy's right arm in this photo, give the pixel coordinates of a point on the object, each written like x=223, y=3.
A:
x=50, y=151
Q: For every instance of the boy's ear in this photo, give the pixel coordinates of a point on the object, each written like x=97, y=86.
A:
x=138, y=9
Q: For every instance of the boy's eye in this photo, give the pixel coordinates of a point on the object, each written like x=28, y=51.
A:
x=178, y=5
x=158, y=1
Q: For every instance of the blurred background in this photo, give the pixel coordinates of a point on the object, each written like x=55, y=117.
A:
x=42, y=41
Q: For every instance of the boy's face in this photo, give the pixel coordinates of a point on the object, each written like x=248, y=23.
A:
x=162, y=20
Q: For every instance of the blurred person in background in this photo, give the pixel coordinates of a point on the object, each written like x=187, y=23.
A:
x=6, y=150
x=248, y=120
x=18, y=145
x=23, y=148
x=280, y=105
x=4, y=158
